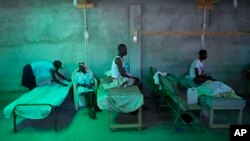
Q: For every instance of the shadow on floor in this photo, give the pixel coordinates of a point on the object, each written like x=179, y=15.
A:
x=64, y=116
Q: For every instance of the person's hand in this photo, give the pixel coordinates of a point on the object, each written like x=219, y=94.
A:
x=203, y=74
x=136, y=78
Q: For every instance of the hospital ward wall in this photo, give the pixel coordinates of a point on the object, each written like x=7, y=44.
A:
x=33, y=30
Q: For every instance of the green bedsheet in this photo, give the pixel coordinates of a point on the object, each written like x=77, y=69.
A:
x=123, y=99
x=53, y=94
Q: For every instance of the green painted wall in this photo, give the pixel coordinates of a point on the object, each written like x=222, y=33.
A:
x=53, y=29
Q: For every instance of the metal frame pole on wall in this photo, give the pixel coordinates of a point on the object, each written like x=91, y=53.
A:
x=135, y=40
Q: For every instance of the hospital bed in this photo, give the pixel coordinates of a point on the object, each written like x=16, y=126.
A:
x=211, y=103
x=121, y=100
x=37, y=103
x=227, y=101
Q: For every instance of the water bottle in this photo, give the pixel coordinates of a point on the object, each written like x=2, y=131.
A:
x=192, y=97
x=127, y=67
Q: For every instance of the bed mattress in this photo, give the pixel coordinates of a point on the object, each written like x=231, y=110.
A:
x=222, y=102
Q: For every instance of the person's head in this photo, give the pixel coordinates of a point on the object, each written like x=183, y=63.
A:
x=122, y=49
x=82, y=67
x=57, y=64
x=202, y=54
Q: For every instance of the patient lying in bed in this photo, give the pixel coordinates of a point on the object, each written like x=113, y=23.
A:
x=210, y=88
x=216, y=89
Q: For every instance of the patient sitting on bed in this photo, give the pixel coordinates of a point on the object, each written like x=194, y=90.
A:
x=196, y=71
x=118, y=72
x=120, y=75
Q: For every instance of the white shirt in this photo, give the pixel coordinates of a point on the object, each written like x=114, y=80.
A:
x=114, y=68
x=196, y=64
x=41, y=71
x=81, y=78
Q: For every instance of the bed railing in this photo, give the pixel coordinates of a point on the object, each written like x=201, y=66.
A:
x=52, y=107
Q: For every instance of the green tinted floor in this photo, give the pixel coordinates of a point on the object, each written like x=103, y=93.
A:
x=76, y=126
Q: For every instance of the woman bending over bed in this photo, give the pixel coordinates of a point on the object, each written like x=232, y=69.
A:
x=42, y=72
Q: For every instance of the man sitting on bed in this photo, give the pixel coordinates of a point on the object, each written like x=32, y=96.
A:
x=85, y=81
x=119, y=73
x=196, y=71
x=42, y=72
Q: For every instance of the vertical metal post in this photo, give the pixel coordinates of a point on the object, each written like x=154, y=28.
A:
x=134, y=48
x=14, y=118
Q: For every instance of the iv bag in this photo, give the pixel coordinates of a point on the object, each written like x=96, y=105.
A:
x=86, y=35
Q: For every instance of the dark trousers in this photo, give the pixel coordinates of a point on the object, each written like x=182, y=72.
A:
x=202, y=79
x=28, y=78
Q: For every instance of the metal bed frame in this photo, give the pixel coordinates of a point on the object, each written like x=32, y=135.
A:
x=52, y=107
x=131, y=125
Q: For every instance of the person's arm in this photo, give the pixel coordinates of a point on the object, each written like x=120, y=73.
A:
x=199, y=75
x=122, y=69
x=61, y=76
x=53, y=72
x=91, y=78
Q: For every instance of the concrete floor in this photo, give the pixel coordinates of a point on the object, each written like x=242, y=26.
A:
x=76, y=125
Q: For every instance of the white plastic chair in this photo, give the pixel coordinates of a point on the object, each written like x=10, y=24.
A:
x=78, y=92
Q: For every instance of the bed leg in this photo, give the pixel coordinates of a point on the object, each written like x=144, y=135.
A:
x=14, y=118
x=177, y=117
x=240, y=116
x=76, y=101
x=201, y=122
x=110, y=120
x=211, y=117
x=140, y=119
x=54, y=118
